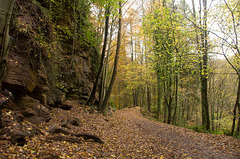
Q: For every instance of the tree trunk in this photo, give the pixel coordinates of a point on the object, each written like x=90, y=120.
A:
x=92, y=96
x=104, y=105
x=213, y=103
x=176, y=100
x=238, y=127
x=6, y=7
x=149, y=98
x=159, y=96
x=204, y=76
x=134, y=98
x=103, y=87
x=235, y=107
x=183, y=110
x=169, y=105
x=164, y=3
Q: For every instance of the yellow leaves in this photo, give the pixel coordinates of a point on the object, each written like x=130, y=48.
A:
x=114, y=156
x=162, y=157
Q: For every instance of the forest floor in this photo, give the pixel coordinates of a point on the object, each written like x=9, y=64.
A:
x=126, y=134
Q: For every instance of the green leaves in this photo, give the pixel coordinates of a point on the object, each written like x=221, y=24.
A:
x=106, y=3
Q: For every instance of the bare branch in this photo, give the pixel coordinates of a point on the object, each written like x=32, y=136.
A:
x=234, y=27
x=229, y=62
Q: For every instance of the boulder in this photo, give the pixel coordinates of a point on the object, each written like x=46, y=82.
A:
x=40, y=93
x=66, y=105
x=18, y=137
x=55, y=97
x=32, y=110
x=20, y=77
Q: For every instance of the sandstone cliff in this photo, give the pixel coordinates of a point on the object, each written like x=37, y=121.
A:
x=52, y=58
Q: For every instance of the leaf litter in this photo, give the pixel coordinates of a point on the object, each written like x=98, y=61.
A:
x=126, y=134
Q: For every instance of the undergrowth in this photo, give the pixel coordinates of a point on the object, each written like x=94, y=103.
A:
x=201, y=129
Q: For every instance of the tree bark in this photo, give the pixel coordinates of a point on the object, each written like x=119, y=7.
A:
x=103, y=89
x=235, y=107
x=159, y=93
x=104, y=105
x=205, y=64
x=238, y=127
x=6, y=7
x=149, y=98
x=176, y=100
x=92, y=96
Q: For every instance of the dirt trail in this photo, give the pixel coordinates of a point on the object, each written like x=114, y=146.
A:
x=158, y=139
x=126, y=134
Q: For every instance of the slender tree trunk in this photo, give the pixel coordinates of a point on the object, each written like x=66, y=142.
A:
x=236, y=47
x=183, y=110
x=213, y=103
x=169, y=104
x=6, y=7
x=101, y=86
x=218, y=107
x=168, y=98
x=149, y=98
x=159, y=96
x=238, y=127
x=134, y=98
x=205, y=64
x=104, y=105
x=132, y=60
x=92, y=96
x=235, y=107
x=165, y=113
x=220, y=117
x=164, y=3
x=75, y=31
x=176, y=100
x=199, y=49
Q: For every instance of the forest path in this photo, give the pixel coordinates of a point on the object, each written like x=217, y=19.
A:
x=143, y=138
x=126, y=135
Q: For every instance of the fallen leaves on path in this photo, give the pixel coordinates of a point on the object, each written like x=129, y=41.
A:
x=126, y=134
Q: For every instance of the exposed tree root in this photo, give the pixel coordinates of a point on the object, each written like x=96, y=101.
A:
x=86, y=136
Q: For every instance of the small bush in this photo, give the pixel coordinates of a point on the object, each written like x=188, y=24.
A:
x=197, y=128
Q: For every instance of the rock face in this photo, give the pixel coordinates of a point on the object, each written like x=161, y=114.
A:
x=32, y=110
x=52, y=83
x=42, y=71
x=20, y=77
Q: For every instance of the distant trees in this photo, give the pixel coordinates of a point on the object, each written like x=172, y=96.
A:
x=96, y=84
x=183, y=81
x=165, y=27
x=169, y=61
x=100, y=83
x=228, y=24
x=114, y=74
